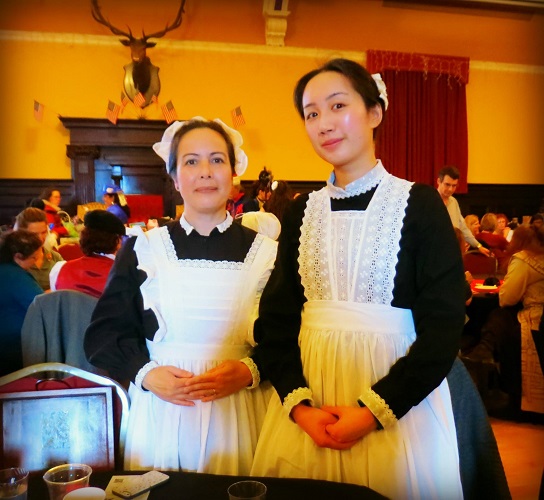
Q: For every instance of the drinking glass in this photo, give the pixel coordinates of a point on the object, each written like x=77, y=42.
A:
x=247, y=490
x=65, y=478
x=13, y=483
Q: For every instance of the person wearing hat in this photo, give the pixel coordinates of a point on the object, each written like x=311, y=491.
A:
x=116, y=203
x=176, y=318
x=100, y=239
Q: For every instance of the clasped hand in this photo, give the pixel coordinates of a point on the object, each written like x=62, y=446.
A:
x=181, y=387
x=335, y=427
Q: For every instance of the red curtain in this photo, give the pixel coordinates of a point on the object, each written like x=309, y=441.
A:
x=425, y=127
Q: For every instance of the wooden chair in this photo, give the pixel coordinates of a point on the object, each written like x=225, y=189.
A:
x=478, y=264
x=54, y=413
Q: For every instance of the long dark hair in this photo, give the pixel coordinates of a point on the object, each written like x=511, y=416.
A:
x=279, y=200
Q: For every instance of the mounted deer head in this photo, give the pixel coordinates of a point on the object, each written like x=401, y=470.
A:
x=140, y=75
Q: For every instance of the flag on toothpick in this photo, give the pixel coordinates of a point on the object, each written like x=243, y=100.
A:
x=237, y=117
x=38, y=111
x=139, y=100
x=154, y=99
x=124, y=100
x=112, y=112
x=169, y=112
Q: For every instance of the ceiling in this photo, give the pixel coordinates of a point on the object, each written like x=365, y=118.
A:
x=447, y=27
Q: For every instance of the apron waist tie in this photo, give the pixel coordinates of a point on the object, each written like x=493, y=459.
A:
x=208, y=352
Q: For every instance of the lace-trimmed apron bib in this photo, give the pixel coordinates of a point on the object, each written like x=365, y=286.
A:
x=350, y=336
x=205, y=312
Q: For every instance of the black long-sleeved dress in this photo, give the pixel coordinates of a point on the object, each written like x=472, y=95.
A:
x=176, y=298
x=366, y=301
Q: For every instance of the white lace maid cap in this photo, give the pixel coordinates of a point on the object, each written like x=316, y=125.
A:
x=263, y=223
x=163, y=148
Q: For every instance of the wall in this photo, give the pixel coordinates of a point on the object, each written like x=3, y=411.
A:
x=505, y=106
x=76, y=75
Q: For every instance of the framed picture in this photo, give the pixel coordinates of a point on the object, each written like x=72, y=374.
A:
x=42, y=429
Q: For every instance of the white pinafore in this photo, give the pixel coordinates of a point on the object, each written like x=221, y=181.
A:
x=350, y=336
x=205, y=312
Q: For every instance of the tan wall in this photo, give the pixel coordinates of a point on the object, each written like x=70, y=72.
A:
x=75, y=75
x=506, y=125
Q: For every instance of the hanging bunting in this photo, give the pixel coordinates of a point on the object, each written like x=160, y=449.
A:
x=169, y=112
x=112, y=112
x=38, y=111
x=237, y=117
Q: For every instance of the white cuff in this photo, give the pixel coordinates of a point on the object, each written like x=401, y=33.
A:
x=144, y=370
x=255, y=375
x=379, y=408
x=295, y=397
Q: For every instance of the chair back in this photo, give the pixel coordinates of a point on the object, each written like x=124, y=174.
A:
x=87, y=207
x=54, y=329
x=53, y=413
x=70, y=251
x=478, y=264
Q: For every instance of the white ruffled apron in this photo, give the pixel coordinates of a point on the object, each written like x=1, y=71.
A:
x=205, y=312
x=347, y=346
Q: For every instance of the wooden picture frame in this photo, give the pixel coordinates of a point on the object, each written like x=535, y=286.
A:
x=42, y=429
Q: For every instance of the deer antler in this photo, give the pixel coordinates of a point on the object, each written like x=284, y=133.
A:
x=173, y=26
x=97, y=15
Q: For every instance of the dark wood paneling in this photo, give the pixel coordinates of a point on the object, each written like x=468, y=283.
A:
x=513, y=200
x=16, y=194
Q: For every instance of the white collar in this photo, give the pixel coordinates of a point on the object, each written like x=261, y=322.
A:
x=49, y=204
x=361, y=185
x=220, y=227
x=108, y=255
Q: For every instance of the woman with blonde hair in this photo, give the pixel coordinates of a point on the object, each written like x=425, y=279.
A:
x=473, y=223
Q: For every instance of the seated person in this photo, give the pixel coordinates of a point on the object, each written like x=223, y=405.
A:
x=262, y=189
x=238, y=202
x=116, y=203
x=503, y=227
x=51, y=199
x=512, y=333
x=19, y=250
x=35, y=220
x=537, y=220
x=473, y=223
x=100, y=239
x=495, y=242
x=280, y=199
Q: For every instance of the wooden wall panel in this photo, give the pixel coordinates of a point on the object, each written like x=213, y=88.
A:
x=514, y=200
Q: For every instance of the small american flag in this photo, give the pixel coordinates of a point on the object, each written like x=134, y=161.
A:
x=169, y=112
x=124, y=100
x=237, y=117
x=154, y=99
x=38, y=111
x=139, y=100
x=112, y=112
